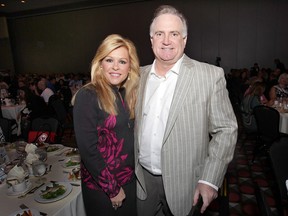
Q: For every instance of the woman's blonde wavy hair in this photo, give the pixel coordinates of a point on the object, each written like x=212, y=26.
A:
x=102, y=86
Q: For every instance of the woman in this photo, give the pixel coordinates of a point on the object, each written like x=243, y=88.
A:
x=279, y=91
x=251, y=100
x=103, y=116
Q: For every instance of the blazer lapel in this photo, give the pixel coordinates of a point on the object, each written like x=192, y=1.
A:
x=183, y=83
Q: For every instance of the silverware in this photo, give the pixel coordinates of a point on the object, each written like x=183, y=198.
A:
x=71, y=183
x=74, y=184
x=31, y=191
x=50, y=167
x=23, y=206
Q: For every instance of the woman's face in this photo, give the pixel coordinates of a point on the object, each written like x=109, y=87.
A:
x=116, y=66
x=283, y=80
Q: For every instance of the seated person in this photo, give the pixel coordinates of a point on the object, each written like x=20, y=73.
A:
x=251, y=100
x=45, y=91
x=35, y=107
x=279, y=91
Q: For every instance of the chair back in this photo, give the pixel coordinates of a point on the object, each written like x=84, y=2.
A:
x=262, y=201
x=279, y=158
x=267, y=119
x=6, y=125
x=57, y=106
x=45, y=124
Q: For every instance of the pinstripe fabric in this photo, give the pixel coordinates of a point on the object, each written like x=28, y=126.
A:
x=200, y=106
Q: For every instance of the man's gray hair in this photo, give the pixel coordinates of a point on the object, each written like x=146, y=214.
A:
x=168, y=9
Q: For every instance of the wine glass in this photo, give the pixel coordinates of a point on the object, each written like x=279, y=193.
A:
x=39, y=169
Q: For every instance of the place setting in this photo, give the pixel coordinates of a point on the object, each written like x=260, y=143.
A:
x=52, y=192
x=28, y=177
x=18, y=181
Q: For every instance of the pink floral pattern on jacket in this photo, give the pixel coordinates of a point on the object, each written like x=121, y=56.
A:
x=113, y=176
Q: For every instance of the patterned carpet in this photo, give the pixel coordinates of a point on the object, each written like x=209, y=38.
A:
x=241, y=175
x=237, y=195
x=239, y=198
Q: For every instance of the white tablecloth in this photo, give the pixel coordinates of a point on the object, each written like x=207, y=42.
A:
x=12, y=112
x=283, y=126
x=72, y=205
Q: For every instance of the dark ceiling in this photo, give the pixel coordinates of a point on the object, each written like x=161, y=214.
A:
x=15, y=8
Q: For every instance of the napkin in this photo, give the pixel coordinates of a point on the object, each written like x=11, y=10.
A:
x=16, y=175
x=30, y=148
x=31, y=155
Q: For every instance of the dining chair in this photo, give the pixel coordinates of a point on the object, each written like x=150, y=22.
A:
x=12, y=126
x=267, y=120
x=57, y=107
x=279, y=159
x=6, y=126
x=263, y=206
x=47, y=123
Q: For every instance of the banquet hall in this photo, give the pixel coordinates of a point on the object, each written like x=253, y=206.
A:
x=56, y=40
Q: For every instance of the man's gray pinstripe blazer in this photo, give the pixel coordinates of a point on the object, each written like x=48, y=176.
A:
x=200, y=107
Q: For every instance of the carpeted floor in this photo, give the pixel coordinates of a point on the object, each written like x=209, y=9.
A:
x=241, y=175
x=237, y=195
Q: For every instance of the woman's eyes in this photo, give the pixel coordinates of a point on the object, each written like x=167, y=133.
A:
x=120, y=61
x=109, y=60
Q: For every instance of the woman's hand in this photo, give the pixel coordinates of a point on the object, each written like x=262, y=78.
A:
x=118, y=199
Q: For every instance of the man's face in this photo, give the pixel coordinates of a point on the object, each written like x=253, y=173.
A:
x=167, y=41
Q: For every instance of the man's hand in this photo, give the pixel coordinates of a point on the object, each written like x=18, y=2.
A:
x=208, y=195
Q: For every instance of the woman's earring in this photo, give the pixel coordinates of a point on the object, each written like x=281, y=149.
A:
x=128, y=77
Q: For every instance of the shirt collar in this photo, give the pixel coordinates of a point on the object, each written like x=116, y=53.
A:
x=175, y=69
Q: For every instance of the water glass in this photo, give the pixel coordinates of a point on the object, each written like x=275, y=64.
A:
x=38, y=167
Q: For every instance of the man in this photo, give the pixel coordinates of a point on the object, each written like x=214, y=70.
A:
x=46, y=92
x=185, y=130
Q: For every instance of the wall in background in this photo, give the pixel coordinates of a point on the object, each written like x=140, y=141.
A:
x=240, y=32
x=6, y=59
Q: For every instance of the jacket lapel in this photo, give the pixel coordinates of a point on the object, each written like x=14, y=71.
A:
x=184, y=81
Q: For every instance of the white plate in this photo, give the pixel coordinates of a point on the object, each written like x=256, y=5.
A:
x=10, y=191
x=74, y=158
x=71, y=153
x=58, y=146
x=39, y=199
x=34, y=212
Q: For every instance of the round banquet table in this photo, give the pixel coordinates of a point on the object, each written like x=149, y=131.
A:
x=71, y=205
x=283, y=125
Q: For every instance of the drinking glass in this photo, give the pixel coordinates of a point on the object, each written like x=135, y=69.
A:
x=39, y=169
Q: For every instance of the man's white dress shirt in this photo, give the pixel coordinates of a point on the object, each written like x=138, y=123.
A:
x=158, y=98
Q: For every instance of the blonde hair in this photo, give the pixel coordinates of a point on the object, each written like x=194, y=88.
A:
x=100, y=83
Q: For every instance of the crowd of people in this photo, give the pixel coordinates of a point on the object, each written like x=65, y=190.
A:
x=250, y=88
x=35, y=90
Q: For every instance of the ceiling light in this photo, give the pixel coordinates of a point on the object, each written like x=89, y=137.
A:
x=3, y=5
